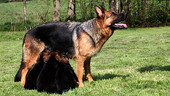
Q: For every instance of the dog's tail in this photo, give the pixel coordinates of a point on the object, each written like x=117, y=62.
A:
x=18, y=75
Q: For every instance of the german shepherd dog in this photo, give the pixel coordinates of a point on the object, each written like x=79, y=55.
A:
x=52, y=74
x=78, y=40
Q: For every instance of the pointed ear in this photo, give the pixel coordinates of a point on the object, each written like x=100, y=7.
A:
x=98, y=11
x=46, y=58
x=102, y=8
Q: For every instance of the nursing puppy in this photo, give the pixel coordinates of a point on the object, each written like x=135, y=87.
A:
x=56, y=76
x=52, y=74
x=34, y=72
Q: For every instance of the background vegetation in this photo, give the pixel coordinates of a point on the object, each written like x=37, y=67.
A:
x=134, y=62
x=142, y=13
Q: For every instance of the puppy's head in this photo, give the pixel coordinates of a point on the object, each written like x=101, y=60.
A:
x=60, y=57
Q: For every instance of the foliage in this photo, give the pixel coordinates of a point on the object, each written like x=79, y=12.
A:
x=154, y=13
x=134, y=62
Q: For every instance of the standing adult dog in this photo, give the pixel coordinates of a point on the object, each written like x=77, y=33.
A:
x=78, y=40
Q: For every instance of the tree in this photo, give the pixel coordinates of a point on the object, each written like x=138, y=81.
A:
x=124, y=5
x=56, y=10
x=167, y=4
x=114, y=5
x=25, y=14
x=71, y=10
x=91, y=11
x=103, y=3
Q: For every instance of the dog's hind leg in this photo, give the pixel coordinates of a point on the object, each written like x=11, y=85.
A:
x=18, y=75
x=87, y=69
x=31, y=52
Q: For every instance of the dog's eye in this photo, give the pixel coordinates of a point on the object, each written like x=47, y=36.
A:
x=107, y=16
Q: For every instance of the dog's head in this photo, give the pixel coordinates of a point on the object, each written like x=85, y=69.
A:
x=111, y=19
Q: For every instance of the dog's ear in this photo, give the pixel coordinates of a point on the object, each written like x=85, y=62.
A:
x=57, y=56
x=99, y=12
x=102, y=8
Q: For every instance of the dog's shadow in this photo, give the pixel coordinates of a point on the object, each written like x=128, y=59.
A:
x=141, y=70
x=107, y=76
x=154, y=68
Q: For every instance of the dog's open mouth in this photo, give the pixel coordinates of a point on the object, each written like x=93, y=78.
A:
x=120, y=26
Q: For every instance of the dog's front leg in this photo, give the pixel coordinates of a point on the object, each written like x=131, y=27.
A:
x=80, y=62
x=87, y=69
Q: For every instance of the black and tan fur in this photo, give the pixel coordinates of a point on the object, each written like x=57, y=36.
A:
x=79, y=40
x=52, y=73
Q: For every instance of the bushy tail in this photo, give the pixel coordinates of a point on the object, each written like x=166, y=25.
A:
x=18, y=75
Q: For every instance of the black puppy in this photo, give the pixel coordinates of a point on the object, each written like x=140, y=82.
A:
x=56, y=75
x=33, y=73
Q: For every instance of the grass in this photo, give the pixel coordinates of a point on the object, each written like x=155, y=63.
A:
x=134, y=62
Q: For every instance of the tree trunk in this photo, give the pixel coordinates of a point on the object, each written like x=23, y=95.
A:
x=103, y=3
x=129, y=6
x=56, y=10
x=112, y=5
x=71, y=10
x=167, y=5
x=121, y=5
x=91, y=11
x=117, y=6
x=25, y=15
x=124, y=5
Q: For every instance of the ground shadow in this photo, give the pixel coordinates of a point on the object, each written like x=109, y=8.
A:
x=154, y=68
x=108, y=76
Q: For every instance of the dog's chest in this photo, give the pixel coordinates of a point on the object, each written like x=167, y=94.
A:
x=87, y=45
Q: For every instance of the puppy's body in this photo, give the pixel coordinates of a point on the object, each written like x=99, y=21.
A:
x=52, y=73
x=33, y=74
x=56, y=76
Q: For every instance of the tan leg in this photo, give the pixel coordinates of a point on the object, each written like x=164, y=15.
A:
x=28, y=65
x=80, y=62
x=87, y=69
x=23, y=76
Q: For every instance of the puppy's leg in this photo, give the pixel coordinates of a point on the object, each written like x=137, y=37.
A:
x=87, y=69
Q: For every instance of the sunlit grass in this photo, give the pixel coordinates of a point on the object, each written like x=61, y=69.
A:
x=132, y=62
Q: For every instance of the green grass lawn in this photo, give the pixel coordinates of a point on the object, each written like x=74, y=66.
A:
x=132, y=62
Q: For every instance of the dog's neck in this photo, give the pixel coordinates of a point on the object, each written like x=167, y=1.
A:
x=97, y=32
x=95, y=28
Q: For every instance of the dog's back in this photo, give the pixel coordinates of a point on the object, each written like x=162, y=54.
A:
x=56, y=35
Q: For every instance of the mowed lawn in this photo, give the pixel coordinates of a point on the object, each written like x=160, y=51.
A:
x=132, y=62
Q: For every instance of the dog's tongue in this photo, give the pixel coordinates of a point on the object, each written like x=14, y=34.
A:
x=121, y=24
